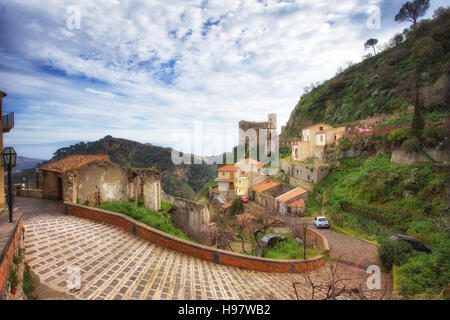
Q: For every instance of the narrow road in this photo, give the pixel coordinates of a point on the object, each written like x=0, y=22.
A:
x=351, y=250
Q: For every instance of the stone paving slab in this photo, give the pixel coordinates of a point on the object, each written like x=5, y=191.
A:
x=117, y=265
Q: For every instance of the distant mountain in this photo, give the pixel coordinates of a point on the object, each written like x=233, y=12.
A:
x=178, y=180
x=24, y=163
x=385, y=83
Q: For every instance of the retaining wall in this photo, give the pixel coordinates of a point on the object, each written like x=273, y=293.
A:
x=199, y=251
x=13, y=237
x=307, y=172
x=192, y=218
x=404, y=157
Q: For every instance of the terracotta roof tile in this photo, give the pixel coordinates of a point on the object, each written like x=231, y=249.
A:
x=72, y=162
x=297, y=204
x=291, y=195
x=265, y=185
x=229, y=168
x=253, y=162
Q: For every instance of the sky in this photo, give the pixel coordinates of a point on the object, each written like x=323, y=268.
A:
x=173, y=73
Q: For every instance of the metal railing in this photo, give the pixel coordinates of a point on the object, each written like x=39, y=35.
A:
x=8, y=120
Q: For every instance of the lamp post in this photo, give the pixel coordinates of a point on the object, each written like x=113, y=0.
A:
x=9, y=157
x=37, y=178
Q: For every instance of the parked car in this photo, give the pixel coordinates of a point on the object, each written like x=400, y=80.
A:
x=321, y=222
x=244, y=198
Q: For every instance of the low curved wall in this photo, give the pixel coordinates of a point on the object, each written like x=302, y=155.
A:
x=13, y=241
x=199, y=251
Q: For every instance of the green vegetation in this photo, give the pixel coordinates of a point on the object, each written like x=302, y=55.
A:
x=397, y=136
x=418, y=121
x=426, y=273
x=236, y=206
x=13, y=278
x=384, y=83
x=313, y=208
x=288, y=250
x=373, y=198
x=204, y=192
x=157, y=219
x=376, y=197
x=285, y=153
x=28, y=281
x=392, y=252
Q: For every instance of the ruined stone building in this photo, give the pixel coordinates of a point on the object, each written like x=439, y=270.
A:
x=92, y=180
x=267, y=126
x=279, y=198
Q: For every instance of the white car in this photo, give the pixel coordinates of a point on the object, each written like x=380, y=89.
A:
x=321, y=222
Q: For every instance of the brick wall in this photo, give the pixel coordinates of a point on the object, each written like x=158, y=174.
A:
x=9, y=251
x=196, y=250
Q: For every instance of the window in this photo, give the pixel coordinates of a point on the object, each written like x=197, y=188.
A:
x=321, y=128
x=223, y=174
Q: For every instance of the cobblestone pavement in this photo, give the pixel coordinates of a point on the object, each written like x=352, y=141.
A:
x=117, y=265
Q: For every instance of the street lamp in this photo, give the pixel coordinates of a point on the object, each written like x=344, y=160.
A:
x=37, y=177
x=9, y=157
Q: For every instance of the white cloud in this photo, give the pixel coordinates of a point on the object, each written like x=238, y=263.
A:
x=253, y=58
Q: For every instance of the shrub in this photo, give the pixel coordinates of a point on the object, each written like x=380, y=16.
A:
x=432, y=136
x=159, y=220
x=236, y=206
x=345, y=144
x=426, y=273
x=397, y=136
x=393, y=252
x=13, y=279
x=28, y=281
x=410, y=144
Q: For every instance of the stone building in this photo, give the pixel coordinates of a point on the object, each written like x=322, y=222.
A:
x=227, y=178
x=6, y=123
x=314, y=141
x=279, y=198
x=92, y=180
x=269, y=126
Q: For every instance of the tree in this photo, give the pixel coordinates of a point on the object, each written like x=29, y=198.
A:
x=338, y=283
x=244, y=225
x=412, y=11
x=438, y=12
x=396, y=40
x=268, y=223
x=371, y=43
x=418, y=121
x=236, y=206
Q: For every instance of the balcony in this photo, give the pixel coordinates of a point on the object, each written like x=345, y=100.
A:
x=8, y=122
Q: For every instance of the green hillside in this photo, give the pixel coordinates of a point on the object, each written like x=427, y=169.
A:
x=384, y=83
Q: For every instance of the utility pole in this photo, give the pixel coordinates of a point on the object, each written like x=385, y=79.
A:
x=304, y=240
